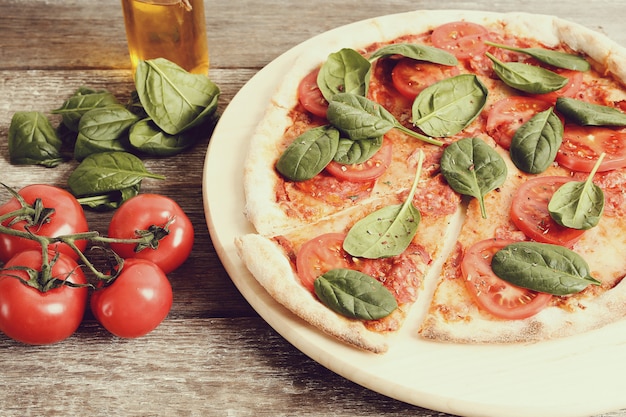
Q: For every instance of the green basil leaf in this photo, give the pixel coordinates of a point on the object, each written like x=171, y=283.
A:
x=174, y=98
x=343, y=72
x=354, y=294
x=578, y=205
x=83, y=100
x=309, y=153
x=416, y=51
x=145, y=136
x=535, y=144
x=33, y=140
x=471, y=167
x=555, y=58
x=103, y=129
x=111, y=200
x=357, y=151
x=387, y=231
x=589, y=114
x=528, y=78
x=449, y=106
x=542, y=267
x=360, y=118
x=104, y=172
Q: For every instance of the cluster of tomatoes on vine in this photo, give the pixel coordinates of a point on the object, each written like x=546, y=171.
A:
x=55, y=267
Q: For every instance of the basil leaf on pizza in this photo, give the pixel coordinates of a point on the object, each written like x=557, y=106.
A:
x=343, y=72
x=578, y=205
x=543, y=267
x=473, y=168
x=387, y=231
x=357, y=151
x=528, y=78
x=416, y=51
x=361, y=118
x=309, y=153
x=354, y=294
x=449, y=106
x=590, y=114
x=535, y=144
x=555, y=58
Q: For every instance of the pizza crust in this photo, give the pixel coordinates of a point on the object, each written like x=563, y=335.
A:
x=268, y=264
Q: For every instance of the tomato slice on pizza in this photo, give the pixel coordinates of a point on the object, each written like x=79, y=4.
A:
x=529, y=212
x=583, y=145
x=494, y=295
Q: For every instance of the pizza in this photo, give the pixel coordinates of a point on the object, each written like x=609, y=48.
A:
x=460, y=171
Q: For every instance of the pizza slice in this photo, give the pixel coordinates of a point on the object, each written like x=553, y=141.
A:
x=330, y=272
x=473, y=304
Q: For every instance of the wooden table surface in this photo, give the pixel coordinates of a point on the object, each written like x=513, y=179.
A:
x=213, y=355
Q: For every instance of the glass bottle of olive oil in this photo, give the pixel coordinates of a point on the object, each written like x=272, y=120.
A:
x=172, y=29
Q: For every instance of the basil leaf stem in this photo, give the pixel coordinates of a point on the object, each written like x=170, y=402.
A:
x=449, y=106
x=354, y=294
x=471, y=167
x=589, y=114
x=528, y=78
x=387, y=231
x=343, y=72
x=555, y=58
x=542, y=267
x=535, y=144
x=578, y=205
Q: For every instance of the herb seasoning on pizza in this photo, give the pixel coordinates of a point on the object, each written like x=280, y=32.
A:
x=473, y=163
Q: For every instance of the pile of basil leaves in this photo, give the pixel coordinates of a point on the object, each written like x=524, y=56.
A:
x=169, y=111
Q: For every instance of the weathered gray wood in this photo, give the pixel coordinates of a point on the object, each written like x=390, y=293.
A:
x=213, y=355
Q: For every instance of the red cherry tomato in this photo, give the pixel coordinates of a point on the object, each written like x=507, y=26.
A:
x=136, y=302
x=34, y=317
x=318, y=256
x=366, y=171
x=410, y=76
x=493, y=294
x=141, y=212
x=310, y=95
x=508, y=114
x=582, y=146
x=68, y=218
x=529, y=212
x=570, y=90
x=462, y=39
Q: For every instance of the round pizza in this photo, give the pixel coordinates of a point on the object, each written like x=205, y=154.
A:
x=470, y=165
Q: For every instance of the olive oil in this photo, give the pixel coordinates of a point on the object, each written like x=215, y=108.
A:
x=171, y=29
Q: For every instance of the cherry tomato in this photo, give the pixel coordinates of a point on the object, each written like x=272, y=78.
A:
x=508, y=114
x=410, y=76
x=462, y=39
x=570, y=90
x=529, y=212
x=366, y=171
x=68, y=218
x=32, y=316
x=136, y=302
x=310, y=95
x=318, y=256
x=141, y=212
x=582, y=146
x=492, y=294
